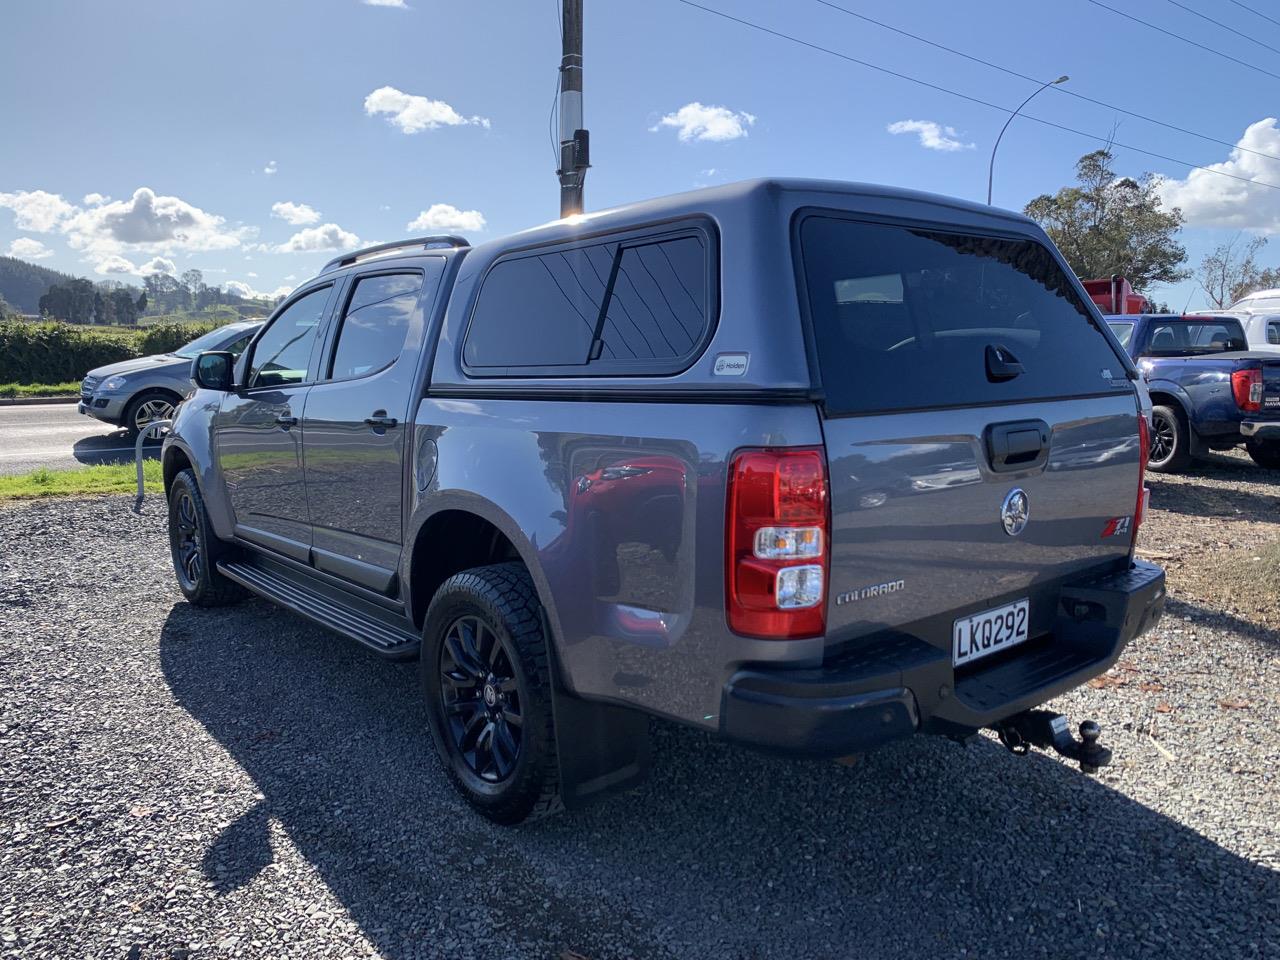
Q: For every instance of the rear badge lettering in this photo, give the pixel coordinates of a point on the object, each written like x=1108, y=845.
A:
x=868, y=593
x=1116, y=527
x=731, y=364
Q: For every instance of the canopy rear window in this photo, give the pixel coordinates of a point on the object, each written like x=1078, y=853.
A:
x=906, y=318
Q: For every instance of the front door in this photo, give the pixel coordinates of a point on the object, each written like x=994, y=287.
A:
x=259, y=429
x=356, y=422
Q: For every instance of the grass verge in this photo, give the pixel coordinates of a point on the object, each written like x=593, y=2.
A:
x=104, y=478
x=10, y=391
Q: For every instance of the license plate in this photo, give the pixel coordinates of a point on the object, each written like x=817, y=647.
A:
x=988, y=632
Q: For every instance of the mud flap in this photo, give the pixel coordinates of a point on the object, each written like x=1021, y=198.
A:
x=603, y=748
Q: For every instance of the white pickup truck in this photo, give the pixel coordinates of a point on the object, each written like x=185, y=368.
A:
x=1259, y=314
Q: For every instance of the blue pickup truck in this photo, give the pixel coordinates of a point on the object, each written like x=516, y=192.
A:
x=1208, y=391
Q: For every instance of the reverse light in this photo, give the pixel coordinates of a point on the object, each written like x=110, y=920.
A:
x=1246, y=387
x=776, y=535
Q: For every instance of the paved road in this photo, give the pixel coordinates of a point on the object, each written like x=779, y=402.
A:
x=53, y=435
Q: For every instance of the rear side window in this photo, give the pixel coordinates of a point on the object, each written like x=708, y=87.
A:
x=903, y=318
x=1123, y=332
x=632, y=306
x=376, y=324
x=282, y=355
x=1273, y=332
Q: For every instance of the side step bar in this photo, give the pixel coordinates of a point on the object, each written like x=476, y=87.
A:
x=352, y=618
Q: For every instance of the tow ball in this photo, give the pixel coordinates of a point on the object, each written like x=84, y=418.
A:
x=1046, y=729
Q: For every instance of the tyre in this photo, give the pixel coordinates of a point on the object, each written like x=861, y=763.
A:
x=195, y=549
x=487, y=680
x=1170, y=441
x=1265, y=453
x=146, y=408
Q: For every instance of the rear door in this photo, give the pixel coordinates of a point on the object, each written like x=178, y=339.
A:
x=981, y=429
x=355, y=422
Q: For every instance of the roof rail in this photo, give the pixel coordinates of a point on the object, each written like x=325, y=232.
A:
x=355, y=256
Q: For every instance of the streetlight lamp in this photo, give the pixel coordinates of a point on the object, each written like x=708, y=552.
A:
x=991, y=167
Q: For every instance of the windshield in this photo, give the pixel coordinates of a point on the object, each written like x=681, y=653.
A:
x=213, y=340
x=1187, y=338
x=1123, y=332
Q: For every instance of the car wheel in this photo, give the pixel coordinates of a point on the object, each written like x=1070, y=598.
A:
x=1265, y=453
x=487, y=680
x=145, y=409
x=195, y=548
x=1170, y=441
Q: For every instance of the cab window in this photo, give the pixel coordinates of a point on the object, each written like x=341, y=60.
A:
x=282, y=355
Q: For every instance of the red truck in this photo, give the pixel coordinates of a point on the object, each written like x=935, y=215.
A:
x=1114, y=295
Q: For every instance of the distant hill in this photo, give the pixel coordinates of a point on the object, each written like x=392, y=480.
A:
x=22, y=284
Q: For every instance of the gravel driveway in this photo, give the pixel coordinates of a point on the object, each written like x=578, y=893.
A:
x=182, y=783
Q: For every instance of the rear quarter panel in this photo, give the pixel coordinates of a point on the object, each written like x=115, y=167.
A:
x=618, y=509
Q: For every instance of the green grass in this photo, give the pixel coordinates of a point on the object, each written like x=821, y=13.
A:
x=81, y=481
x=13, y=390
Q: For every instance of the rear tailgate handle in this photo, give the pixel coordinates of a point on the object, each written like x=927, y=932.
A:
x=1021, y=445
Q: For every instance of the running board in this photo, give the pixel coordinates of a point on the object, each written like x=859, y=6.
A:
x=381, y=631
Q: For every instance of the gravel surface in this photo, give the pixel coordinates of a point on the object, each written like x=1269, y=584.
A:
x=184, y=783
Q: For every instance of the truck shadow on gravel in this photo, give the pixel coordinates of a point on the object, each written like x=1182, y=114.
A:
x=925, y=849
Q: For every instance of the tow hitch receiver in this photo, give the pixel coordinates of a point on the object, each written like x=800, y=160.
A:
x=1045, y=729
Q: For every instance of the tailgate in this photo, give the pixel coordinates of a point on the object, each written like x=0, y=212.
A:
x=981, y=432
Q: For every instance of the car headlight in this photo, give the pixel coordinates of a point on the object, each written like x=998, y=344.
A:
x=110, y=384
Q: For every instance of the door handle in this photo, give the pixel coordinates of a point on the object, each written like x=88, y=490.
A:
x=287, y=421
x=1021, y=445
x=380, y=420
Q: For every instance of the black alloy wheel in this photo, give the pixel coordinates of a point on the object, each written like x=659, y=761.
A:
x=482, y=699
x=185, y=538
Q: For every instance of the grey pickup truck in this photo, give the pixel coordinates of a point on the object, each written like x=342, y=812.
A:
x=810, y=466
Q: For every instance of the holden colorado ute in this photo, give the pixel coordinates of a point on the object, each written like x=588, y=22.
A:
x=810, y=466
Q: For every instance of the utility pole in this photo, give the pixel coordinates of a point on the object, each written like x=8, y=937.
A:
x=575, y=142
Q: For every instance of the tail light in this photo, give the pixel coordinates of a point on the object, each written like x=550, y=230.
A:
x=1246, y=386
x=1144, y=453
x=777, y=543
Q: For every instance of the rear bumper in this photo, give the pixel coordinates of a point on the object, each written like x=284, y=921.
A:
x=898, y=684
x=1261, y=429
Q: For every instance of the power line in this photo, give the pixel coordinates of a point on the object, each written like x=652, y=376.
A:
x=1257, y=13
x=1178, y=36
x=965, y=96
x=1219, y=23
x=1023, y=76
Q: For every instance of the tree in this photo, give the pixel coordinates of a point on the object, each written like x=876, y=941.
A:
x=142, y=303
x=1108, y=225
x=1231, y=270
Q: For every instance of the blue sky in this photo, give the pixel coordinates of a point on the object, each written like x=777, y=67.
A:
x=252, y=138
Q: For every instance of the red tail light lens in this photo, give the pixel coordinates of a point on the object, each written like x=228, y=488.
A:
x=1246, y=387
x=776, y=535
x=1144, y=454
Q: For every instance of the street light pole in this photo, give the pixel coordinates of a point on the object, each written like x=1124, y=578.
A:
x=575, y=144
x=991, y=167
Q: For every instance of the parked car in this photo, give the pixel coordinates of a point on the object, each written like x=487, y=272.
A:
x=1208, y=390
x=1261, y=330
x=809, y=466
x=135, y=393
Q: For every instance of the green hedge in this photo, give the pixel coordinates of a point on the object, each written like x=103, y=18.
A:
x=59, y=352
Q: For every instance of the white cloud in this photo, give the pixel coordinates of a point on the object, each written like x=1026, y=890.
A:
x=37, y=210
x=149, y=223
x=241, y=289
x=445, y=216
x=270, y=168
x=28, y=248
x=413, y=114
x=159, y=265
x=933, y=136
x=329, y=236
x=252, y=275
x=694, y=121
x=1210, y=200
x=115, y=264
x=299, y=214
x=93, y=199
x=398, y=4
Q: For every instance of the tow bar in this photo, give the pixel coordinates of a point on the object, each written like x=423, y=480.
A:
x=1046, y=729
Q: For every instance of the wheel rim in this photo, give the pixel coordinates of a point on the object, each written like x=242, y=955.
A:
x=483, y=705
x=150, y=411
x=185, y=531
x=1163, y=439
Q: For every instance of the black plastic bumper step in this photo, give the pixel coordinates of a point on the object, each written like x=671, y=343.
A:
x=353, y=618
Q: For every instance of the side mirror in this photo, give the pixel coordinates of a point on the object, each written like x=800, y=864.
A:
x=214, y=370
